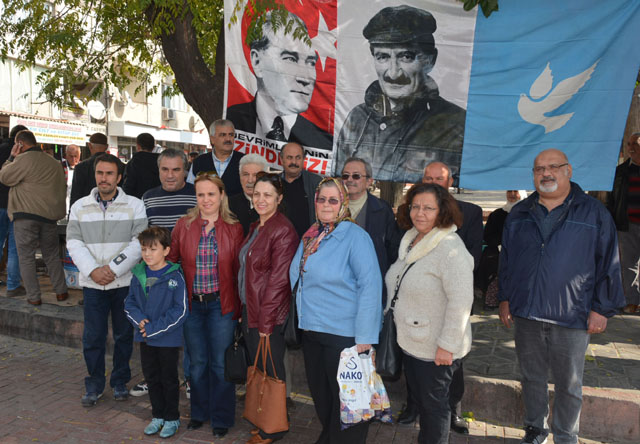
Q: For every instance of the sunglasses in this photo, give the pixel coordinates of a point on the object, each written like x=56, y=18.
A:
x=332, y=200
x=354, y=176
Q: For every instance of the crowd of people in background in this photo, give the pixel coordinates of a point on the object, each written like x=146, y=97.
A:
x=182, y=251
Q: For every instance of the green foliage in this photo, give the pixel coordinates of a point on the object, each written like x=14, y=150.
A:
x=116, y=41
x=488, y=6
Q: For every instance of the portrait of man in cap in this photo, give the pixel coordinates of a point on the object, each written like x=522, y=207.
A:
x=403, y=123
x=285, y=70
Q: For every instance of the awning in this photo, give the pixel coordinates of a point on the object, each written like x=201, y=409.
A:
x=128, y=129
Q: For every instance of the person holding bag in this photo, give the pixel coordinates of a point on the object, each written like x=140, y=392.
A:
x=339, y=301
x=263, y=283
x=433, y=283
x=206, y=242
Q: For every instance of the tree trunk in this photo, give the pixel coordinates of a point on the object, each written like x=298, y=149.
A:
x=391, y=192
x=201, y=88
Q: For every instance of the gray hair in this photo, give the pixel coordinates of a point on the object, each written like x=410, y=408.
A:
x=253, y=159
x=220, y=122
x=367, y=165
x=172, y=153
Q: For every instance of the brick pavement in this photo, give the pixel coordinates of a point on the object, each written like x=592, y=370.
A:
x=41, y=386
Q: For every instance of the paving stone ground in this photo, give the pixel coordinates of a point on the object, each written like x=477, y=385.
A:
x=41, y=386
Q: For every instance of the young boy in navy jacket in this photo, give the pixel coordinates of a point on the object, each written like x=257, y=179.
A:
x=157, y=307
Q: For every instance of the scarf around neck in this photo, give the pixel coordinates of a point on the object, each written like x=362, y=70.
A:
x=318, y=231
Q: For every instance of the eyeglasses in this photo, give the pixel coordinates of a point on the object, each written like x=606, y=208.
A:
x=332, y=200
x=354, y=176
x=272, y=178
x=425, y=208
x=553, y=168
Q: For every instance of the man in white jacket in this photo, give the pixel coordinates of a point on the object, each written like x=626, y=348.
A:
x=102, y=239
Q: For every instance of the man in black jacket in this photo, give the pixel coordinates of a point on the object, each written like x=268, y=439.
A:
x=141, y=173
x=222, y=160
x=6, y=225
x=241, y=204
x=471, y=234
x=624, y=205
x=372, y=214
x=84, y=177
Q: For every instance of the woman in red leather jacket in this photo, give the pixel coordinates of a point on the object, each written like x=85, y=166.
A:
x=263, y=279
x=206, y=242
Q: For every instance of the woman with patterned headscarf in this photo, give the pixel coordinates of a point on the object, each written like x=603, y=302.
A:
x=339, y=301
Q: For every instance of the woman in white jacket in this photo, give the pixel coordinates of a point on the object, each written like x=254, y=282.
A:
x=433, y=283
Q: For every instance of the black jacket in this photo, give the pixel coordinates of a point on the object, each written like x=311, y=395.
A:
x=381, y=225
x=617, y=199
x=141, y=174
x=84, y=179
x=5, y=152
x=239, y=205
x=304, y=132
x=231, y=176
x=471, y=230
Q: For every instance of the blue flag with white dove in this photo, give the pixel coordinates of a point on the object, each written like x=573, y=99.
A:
x=550, y=74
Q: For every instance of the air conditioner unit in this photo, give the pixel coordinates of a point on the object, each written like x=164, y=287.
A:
x=168, y=114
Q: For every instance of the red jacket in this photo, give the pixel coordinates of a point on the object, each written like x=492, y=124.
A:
x=184, y=248
x=267, y=288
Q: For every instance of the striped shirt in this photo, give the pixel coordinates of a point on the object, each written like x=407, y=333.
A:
x=164, y=208
x=206, y=279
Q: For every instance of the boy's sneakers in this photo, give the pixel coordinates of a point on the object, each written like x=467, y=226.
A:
x=140, y=389
x=154, y=426
x=533, y=435
x=90, y=399
x=170, y=428
x=120, y=392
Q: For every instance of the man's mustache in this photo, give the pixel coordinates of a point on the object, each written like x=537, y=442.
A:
x=401, y=80
x=293, y=165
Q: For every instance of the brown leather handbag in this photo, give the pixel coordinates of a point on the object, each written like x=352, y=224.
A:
x=265, y=404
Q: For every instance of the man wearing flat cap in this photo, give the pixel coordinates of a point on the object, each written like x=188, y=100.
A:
x=84, y=177
x=403, y=123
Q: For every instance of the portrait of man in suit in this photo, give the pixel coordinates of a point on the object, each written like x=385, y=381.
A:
x=285, y=70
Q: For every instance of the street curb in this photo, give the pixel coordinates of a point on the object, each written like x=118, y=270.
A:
x=607, y=414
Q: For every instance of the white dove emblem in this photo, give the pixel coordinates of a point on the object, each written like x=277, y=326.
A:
x=535, y=108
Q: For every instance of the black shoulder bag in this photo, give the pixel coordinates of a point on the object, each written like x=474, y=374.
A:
x=388, y=353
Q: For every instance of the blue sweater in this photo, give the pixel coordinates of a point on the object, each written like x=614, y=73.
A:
x=340, y=291
x=165, y=306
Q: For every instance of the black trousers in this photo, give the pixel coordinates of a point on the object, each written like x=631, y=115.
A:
x=252, y=339
x=160, y=370
x=321, y=359
x=430, y=385
x=456, y=390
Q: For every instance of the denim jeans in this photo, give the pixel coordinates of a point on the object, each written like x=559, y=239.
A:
x=13, y=265
x=207, y=335
x=430, y=385
x=97, y=306
x=540, y=347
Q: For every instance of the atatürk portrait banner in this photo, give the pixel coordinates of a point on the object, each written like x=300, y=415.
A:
x=404, y=83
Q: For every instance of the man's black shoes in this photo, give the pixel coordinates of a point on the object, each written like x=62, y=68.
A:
x=459, y=425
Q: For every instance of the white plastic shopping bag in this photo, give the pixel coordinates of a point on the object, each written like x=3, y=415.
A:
x=362, y=393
